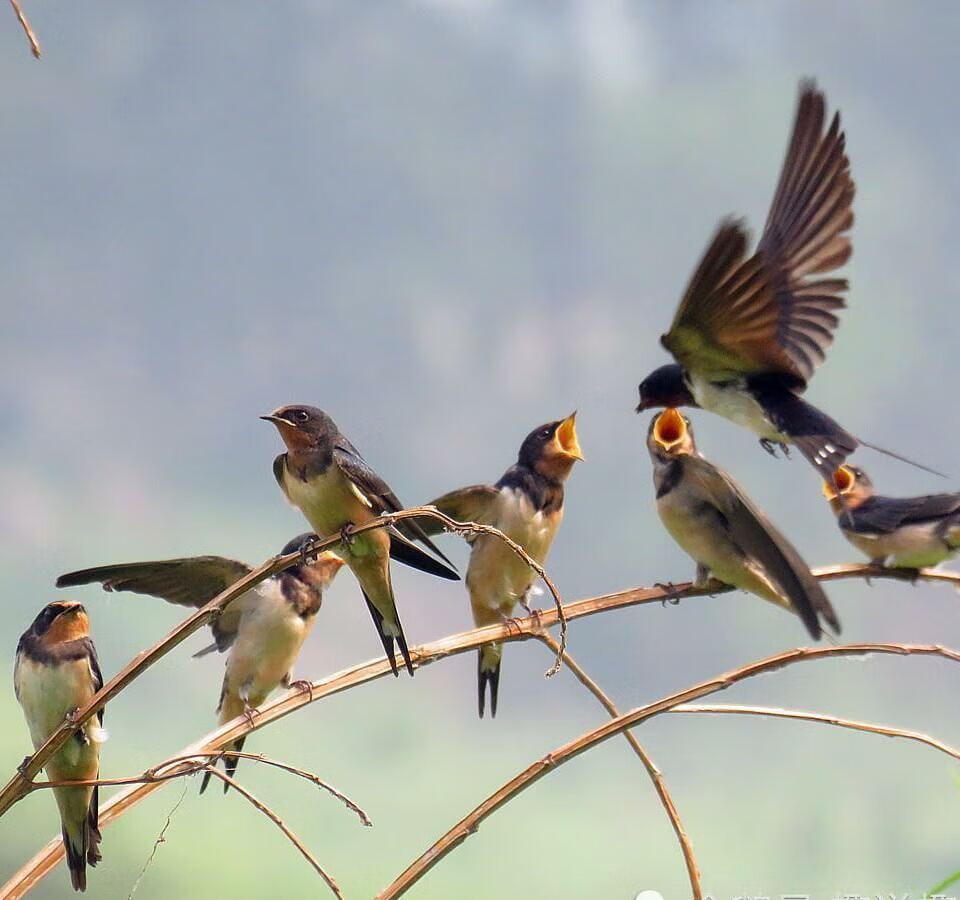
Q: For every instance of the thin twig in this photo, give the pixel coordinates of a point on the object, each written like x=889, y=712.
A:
x=777, y=713
x=656, y=776
x=270, y=814
x=169, y=769
x=27, y=30
x=514, y=630
x=15, y=789
x=161, y=838
x=503, y=795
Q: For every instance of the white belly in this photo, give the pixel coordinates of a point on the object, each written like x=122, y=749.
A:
x=914, y=546
x=47, y=694
x=497, y=578
x=736, y=405
x=267, y=645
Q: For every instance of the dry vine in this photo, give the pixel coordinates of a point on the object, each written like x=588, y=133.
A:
x=514, y=630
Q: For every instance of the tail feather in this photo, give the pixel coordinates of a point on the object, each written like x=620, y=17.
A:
x=82, y=847
x=388, y=640
x=230, y=764
x=909, y=462
x=487, y=674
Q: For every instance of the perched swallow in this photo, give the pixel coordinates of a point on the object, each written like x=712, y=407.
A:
x=55, y=674
x=907, y=532
x=324, y=476
x=263, y=628
x=526, y=504
x=750, y=331
x=712, y=519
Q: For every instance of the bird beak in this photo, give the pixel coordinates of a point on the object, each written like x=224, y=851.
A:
x=842, y=483
x=566, y=437
x=670, y=429
x=644, y=405
x=275, y=419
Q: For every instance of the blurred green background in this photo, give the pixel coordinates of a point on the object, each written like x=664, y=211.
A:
x=445, y=223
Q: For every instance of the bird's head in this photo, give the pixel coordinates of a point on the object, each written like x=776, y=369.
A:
x=552, y=449
x=848, y=488
x=62, y=620
x=318, y=572
x=670, y=436
x=664, y=387
x=301, y=427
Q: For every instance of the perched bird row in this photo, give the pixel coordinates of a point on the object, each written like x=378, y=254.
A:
x=747, y=335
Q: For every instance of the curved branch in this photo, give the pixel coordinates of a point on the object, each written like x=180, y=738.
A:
x=656, y=776
x=515, y=630
x=27, y=30
x=776, y=712
x=470, y=823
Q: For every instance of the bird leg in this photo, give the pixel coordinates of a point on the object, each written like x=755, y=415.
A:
x=346, y=534
x=248, y=711
x=770, y=446
x=22, y=768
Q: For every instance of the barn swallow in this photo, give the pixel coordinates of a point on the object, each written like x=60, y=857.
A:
x=906, y=532
x=714, y=521
x=324, y=476
x=263, y=628
x=749, y=331
x=526, y=504
x=55, y=674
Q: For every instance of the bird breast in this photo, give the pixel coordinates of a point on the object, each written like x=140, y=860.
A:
x=732, y=401
x=496, y=577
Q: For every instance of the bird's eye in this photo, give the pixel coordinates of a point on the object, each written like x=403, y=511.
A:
x=300, y=415
x=545, y=433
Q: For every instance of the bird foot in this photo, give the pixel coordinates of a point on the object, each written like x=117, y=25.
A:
x=346, y=534
x=24, y=765
x=770, y=446
x=671, y=590
x=72, y=716
x=303, y=685
x=249, y=713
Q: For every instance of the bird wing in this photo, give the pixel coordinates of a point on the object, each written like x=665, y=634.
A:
x=742, y=316
x=469, y=504
x=760, y=540
x=375, y=491
x=93, y=660
x=882, y=515
x=191, y=581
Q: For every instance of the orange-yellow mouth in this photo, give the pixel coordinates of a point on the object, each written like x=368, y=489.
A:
x=670, y=429
x=566, y=437
x=843, y=481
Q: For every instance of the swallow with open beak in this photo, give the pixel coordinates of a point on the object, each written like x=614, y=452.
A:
x=904, y=532
x=327, y=479
x=264, y=628
x=526, y=504
x=714, y=521
x=56, y=673
x=750, y=330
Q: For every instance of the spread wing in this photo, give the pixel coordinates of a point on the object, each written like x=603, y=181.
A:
x=766, y=313
x=469, y=504
x=882, y=515
x=191, y=581
x=376, y=492
x=760, y=540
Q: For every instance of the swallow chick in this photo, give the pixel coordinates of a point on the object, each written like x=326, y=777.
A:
x=264, y=628
x=904, y=532
x=714, y=521
x=327, y=479
x=526, y=504
x=56, y=672
x=750, y=330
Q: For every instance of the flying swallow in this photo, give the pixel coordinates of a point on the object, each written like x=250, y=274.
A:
x=526, y=504
x=324, y=476
x=750, y=330
x=712, y=519
x=56, y=673
x=263, y=628
x=907, y=532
